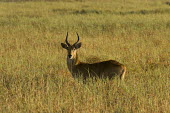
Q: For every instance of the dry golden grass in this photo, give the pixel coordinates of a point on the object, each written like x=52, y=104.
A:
x=33, y=71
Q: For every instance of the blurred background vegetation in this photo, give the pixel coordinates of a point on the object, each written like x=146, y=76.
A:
x=33, y=71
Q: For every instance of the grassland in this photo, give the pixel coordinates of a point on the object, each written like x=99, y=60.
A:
x=33, y=71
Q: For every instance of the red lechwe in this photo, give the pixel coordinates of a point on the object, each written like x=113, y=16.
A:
x=104, y=69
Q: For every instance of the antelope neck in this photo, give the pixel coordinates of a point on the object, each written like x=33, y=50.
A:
x=71, y=63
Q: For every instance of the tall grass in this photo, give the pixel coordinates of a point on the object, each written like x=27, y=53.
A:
x=33, y=71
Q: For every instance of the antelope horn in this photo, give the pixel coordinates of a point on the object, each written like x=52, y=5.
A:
x=77, y=39
x=67, y=40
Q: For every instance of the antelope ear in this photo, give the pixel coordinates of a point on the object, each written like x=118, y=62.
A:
x=78, y=45
x=64, y=45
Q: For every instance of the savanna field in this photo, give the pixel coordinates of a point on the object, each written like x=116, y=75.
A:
x=33, y=70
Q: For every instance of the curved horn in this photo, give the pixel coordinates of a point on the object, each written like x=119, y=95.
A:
x=67, y=40
x=77, y=39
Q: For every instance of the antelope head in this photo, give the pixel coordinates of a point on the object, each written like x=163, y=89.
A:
x=71, y=49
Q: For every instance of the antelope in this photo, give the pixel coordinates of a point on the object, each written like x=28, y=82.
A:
x=104, y=69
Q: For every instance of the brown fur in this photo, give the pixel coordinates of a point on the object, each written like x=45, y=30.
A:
x=106, y=69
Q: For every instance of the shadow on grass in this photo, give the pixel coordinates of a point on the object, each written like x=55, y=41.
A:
x=167, y=3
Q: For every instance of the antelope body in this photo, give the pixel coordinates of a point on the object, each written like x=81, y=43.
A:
x=105, y=69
